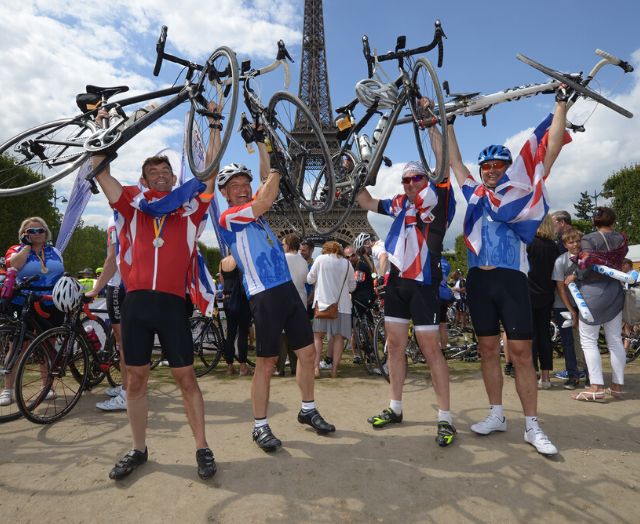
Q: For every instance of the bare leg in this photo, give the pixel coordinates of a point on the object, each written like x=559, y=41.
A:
x=260, y=385
x=304, y=372
x=526, y=383
x=193, y=402
x=397, y=336
x=137, y=404
x=489, y=349
x=430, y=347
x=337, y=342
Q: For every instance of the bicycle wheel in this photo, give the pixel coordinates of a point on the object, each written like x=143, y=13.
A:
x=300, y=151
x=365, y=341
x=426, y=84
x=8, y=345
x=208, y=345
x=573, y=84
x=95, y=372
x=49, y=151
x=633, y=352
x=344, y=166
x=218, y=83
x=288, y=211
x=380, y=349
x=114, y=376
x=51, y=376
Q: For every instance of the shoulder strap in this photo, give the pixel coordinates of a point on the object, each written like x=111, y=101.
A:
x=605, y=240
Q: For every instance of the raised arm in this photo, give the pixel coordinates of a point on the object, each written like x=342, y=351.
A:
x=269, y=183
x=111, y=188
x=556, y=131
x=366, y=201
x=455, y=158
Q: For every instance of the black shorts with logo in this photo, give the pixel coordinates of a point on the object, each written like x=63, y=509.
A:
x=147, y=313
x=275, y=310
x=115, y=298
x=408, y=299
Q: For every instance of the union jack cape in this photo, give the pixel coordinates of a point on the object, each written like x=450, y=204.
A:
x=520, y=197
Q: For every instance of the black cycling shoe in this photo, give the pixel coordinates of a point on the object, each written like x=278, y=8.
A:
x=315, y=420
x=387, y=416
x=128, y=463
x=206, y=463
x=446, y=434
x=266, y=440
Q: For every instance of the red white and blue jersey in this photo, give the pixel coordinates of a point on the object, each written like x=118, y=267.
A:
x=33, y=266
x=499, y=222
x=144, y=266
x=255, y=248
x=406, y=242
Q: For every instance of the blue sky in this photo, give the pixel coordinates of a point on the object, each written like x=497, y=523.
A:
x=52, y=48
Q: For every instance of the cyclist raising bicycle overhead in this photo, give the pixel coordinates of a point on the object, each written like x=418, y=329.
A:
x=157, y=242
x=503, y=214
x=273, y=298
x=412, y=290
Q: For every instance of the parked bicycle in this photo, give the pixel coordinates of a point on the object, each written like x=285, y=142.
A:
x=55, y=149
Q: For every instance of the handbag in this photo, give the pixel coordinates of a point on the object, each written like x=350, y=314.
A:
x=331, y=313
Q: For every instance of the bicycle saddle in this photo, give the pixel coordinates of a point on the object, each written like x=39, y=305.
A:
x=348, y=107
x=108, y=92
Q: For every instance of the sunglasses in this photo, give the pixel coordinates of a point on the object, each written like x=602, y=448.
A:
x=36, y=231
x=496, y=164
x=414, y=178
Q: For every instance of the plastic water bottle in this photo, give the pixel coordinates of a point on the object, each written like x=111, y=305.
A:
x=380, y=127
x=365, y=147
x=93, y=338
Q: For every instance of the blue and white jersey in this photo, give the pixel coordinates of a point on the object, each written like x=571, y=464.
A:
x=48, y=274
x=501, y=247
x=255, y=248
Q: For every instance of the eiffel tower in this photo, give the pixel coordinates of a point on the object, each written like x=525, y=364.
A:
x=314, y=92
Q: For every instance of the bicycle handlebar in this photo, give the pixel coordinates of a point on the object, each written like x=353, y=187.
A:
x=162, y=40
x=281, y=59
x=626, y=66
x=399, y=54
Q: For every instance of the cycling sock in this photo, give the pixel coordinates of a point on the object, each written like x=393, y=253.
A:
x=308, y=405
x=259, y=422
x=497, y=411
x=530, y=422
x=444, y=416
x=396, y=406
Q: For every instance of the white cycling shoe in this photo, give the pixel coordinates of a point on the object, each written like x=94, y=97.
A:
x=539, y=440
x=118, y=403
x=489, y=425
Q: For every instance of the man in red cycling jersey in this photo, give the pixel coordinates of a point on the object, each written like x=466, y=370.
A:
x=155, y=256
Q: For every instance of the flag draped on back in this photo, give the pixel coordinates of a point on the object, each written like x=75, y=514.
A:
x=520, y=197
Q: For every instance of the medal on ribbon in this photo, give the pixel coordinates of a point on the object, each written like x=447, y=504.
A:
x=158, y=228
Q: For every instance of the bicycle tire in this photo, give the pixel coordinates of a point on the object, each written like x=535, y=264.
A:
x=95, y=373
x=7, y=338
x=218, y=78
x=33, y=383
x=634, y=350
x=20, y=153
x=576, y=86
x=379, y=348
x=425, y=79
x=208, y=344
x=325, y=224
x=113, y=373
x=291, y=123
x=365, y=341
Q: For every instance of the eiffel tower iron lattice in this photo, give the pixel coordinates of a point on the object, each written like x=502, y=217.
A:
x=314, y=92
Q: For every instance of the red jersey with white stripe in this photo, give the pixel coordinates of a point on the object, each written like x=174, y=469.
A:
x=143, y=266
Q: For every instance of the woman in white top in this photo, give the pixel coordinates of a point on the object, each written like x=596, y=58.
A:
x=334, y=279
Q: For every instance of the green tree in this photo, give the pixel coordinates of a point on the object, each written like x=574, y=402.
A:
x=13, y=210
x=586, y=226
x=87, y=248
x=458, y=258
x=212, y=256
x=623, y=188
x=584, y=206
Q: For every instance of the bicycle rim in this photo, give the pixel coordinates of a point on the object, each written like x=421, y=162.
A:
x=42, y=372
x=301, y=151
x=39, y=156
x=427, y=84
x=583, y=90
x=218, y=83
x=324, y=223
x=8, y=336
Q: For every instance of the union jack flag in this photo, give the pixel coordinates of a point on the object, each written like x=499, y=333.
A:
x=520, y=197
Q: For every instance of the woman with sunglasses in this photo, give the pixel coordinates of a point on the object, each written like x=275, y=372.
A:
x=505, y=208
x=34, y=256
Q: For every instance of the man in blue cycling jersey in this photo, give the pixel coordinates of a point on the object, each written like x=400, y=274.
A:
x=273, y=298
x=504, y=211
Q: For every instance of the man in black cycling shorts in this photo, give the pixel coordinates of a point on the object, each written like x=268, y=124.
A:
x=155, y=255
x=503, y=213
x=273, y=298
x=412, y=290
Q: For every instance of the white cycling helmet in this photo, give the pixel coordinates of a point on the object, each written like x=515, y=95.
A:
x=360, y=240
x=67, y=294
x=369, y=90
x=231, y=170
